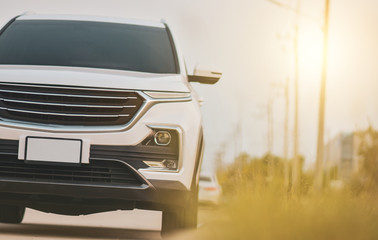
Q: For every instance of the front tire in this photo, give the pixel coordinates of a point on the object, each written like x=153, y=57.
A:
x=181, y=218
x=11, y=214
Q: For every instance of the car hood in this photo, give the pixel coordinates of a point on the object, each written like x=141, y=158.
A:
x=88, y=77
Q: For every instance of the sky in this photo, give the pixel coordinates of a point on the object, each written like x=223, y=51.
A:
x=251, y=42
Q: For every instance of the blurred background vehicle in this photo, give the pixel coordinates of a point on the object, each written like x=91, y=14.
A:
x=209, y=189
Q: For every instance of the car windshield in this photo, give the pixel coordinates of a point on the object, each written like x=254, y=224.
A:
x=88, y=44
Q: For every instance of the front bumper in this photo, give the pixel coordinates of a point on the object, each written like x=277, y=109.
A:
x=16, y=192
x=78, y=199
x=168, y=115
x=102, y=185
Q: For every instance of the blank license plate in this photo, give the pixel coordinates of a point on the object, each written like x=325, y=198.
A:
x=53, y=150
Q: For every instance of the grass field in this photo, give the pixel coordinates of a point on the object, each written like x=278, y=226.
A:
x=260, y=207
x=272, y=215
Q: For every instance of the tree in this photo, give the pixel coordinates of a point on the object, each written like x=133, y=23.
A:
x=368, y=151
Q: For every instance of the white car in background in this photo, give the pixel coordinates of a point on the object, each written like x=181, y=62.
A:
x=97, y=114
x=209, y=189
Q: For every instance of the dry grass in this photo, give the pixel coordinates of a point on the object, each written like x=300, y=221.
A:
x=259, y=206
x=265, y=211
x=273, y=215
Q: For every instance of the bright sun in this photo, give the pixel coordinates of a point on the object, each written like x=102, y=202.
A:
x=310, y=49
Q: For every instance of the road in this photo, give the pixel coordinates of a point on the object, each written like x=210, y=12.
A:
x=137, y=224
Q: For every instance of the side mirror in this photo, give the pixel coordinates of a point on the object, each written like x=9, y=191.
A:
x=204, y=76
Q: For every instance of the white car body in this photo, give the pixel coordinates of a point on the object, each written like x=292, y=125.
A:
x=165, y=103
x=176, y=112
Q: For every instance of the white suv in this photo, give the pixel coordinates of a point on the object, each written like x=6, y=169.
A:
x=97, y=114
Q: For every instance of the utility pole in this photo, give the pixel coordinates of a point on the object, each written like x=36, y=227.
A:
x=270, y=126
x=270, y=137
x=296, y=171
x=320, y=144
x=296, y=164
x=286, y=135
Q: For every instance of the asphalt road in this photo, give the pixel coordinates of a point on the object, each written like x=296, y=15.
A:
x=137, y=224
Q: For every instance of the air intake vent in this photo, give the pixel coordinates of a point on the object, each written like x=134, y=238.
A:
x=67, y=106
x=109, y=173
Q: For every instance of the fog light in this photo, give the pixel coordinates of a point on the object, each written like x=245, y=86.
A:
x=171, y=164
x=162, y=138
x=162, y=165
x=155, y=164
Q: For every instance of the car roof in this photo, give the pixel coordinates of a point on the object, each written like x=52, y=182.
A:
x=92, y=19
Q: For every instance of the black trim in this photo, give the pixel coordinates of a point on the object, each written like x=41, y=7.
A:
x=203, y=79
x=147, y=150
x=133, y=155
x=174, y=50
x=170, y=193
x=9, y=147
x=83, y=199
x=111, y=173
x=65, y=205
x=8, y=24
x=62, y=199
x=168, y=185
x=198, y=164
x=76, y=190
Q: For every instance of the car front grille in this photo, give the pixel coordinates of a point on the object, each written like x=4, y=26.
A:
x=67, y=106
x=98, y=172
x=8, y=147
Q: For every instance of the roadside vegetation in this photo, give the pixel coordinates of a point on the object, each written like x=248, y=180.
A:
x=260, y=204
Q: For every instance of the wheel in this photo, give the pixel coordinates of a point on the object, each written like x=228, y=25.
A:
x=181, y=218
x=11, y=214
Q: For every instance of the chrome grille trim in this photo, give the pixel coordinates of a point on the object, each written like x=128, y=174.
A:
x=65, y=114
x=43, y=104
x=67, y=104
x=64, y=95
